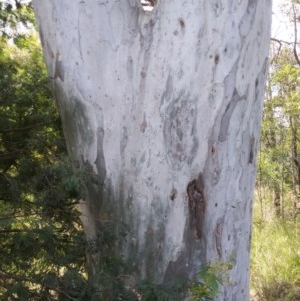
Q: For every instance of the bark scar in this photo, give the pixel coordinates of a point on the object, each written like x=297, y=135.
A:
x=251, y=154
x=218, y=236
x=197, y=204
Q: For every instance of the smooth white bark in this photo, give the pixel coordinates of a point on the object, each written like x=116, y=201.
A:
x=150, y=100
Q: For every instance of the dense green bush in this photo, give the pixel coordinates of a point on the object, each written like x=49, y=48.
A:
x=42, y=243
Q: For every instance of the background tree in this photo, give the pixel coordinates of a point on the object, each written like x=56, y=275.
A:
x=164, y=109
x=279, y=167
x=275, y=268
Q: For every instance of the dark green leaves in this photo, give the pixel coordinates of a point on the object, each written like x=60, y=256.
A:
x=42, y=250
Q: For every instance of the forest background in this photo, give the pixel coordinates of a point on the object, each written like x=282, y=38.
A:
x=42, y=254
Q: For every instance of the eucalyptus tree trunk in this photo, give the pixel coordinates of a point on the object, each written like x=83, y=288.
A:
x=164, y=109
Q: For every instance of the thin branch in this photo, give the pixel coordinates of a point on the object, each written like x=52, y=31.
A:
x=21, y=129
x=281, y=41
x=8, y=276
x=14, y=216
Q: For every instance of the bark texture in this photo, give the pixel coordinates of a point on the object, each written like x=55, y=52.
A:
x=164, y=109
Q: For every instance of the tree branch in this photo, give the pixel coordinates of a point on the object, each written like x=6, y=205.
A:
x=281, y=41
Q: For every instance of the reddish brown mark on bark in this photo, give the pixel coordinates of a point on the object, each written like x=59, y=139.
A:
x=197, y=205
x=181, y=22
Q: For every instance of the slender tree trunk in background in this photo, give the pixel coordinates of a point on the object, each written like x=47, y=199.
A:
x=271, y=143
x=165, y=109
x=277, y=203
x=295, y=156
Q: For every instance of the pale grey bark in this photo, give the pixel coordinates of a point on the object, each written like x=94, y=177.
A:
x=149, y=101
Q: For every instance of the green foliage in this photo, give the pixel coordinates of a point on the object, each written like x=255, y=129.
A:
x=207, y=285
x=279, y=158
x=275, y=260
x=42, y=243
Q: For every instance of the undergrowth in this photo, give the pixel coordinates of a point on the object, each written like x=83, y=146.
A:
x=275, y=259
